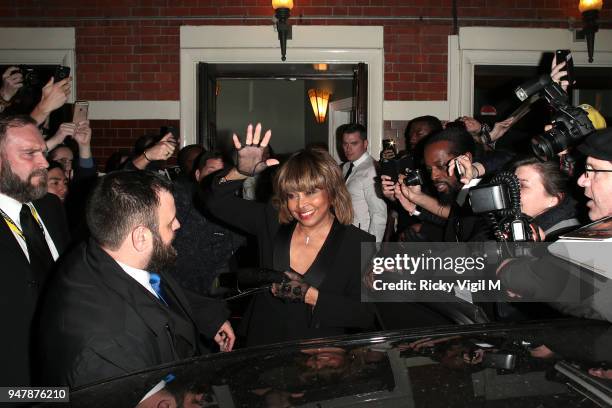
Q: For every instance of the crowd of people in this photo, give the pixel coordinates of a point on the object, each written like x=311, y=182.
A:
x=110, y=274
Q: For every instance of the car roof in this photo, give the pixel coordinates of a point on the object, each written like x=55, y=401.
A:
x=472, y=365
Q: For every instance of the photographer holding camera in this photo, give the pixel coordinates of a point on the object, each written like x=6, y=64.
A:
x=392, y=164
x=550, y=276
x=545, y=196
x=12, y=81
x=54, y=93
x=448, y=159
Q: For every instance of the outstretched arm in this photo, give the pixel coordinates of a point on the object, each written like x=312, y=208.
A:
x=222, y=201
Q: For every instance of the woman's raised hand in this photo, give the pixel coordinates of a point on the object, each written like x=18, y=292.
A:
x=251, y=156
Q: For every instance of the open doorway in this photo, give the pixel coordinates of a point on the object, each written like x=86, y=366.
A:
x=255, y=45
x=277, y=95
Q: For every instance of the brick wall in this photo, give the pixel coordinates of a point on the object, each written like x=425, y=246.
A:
x=109, y=136
x=138, y=59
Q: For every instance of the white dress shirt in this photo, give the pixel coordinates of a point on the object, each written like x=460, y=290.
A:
x=140, y=276
x=12, y=208
x=356, y=163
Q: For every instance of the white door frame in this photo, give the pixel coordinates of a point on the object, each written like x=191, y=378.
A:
x=511, y=46
x=341, y=105
x=259, y=44
x=40, y=46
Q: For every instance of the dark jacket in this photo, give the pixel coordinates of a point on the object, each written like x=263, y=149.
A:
x=81, y=185
x=97, y=322
x=559, y=219
x=204, y=246
x=339, y=307
x=465, y=226
x=20, y=291
x=567, y=287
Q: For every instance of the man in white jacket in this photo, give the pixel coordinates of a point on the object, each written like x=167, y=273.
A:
x=360, y=176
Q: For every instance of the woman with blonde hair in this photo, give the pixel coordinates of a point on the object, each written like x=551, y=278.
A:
x=306, y=231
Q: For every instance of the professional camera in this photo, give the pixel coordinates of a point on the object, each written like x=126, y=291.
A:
x=413, y=177
x=500, y=200
x=392, y=168
x=31, y=78
x=569, y=125
x=34, y=76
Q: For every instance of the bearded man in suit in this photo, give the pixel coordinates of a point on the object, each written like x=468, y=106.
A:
x=33, y=234
x=113, y=308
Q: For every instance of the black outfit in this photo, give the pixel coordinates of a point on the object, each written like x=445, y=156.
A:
x=204, y=246
x=465, y=226
x=559, y=219
x=336, y=273
x=555, y=222
x=20, y=290
x=495, y=160
x=582, y=292
x=79, y=188
x=98, y=322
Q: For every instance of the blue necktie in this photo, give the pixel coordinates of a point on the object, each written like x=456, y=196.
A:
x=155, y=281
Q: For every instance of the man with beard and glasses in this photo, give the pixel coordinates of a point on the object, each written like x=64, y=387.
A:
x=112, y=308
x=33, y=233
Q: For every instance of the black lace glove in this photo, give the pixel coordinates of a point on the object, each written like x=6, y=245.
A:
x=251, y=160
x=292, y=289
x=256, y=277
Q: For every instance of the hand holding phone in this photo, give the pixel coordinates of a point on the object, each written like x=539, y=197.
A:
x=389, y=168
x=81, y=112
x=162, y=150
x=461, y=167
x=560, y=57
x=61, y=72
x=164, y=130
x=389, y=144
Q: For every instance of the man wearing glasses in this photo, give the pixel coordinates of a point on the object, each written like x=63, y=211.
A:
x=549, y=276
x=597, y=176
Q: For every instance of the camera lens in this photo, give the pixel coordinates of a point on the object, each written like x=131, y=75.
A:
x=541, y=148
x=551, y=143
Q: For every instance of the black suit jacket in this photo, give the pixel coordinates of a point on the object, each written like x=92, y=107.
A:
x=339, y=308
x=97, y=322
x=20, y=291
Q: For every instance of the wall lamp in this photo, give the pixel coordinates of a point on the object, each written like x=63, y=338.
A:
x=590, y=13
x=282, y=11
x=319, y=99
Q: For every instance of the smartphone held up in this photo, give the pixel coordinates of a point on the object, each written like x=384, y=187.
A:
x=81, y=112
x=566, y=56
